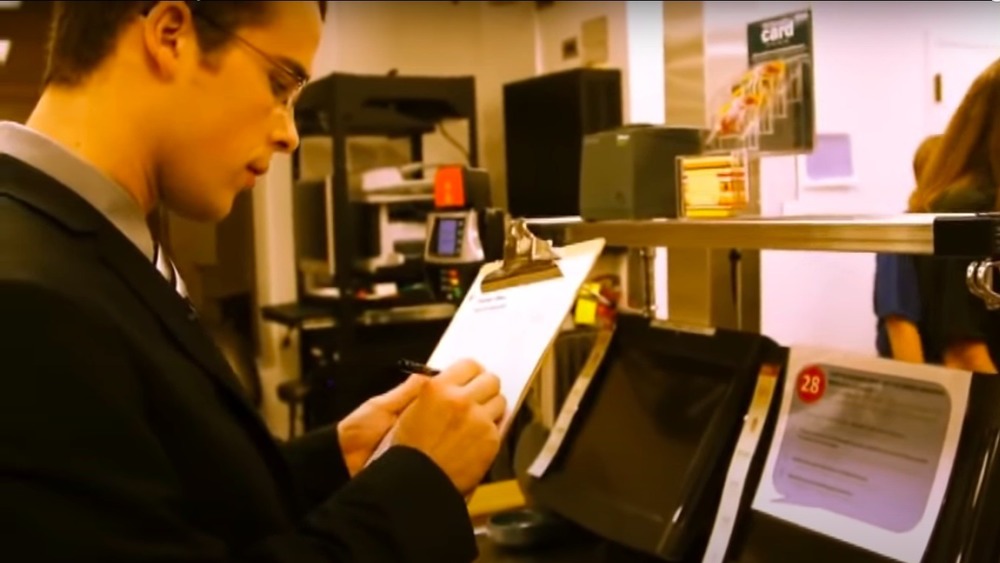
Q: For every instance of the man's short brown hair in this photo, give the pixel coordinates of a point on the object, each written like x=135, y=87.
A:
x=84, y=33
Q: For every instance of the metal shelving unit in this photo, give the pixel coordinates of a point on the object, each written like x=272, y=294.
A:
x=975, y=237
x=957, y=235
x=341, y=106
x=348, y=346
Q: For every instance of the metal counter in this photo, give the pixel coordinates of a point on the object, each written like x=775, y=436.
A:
x=902, y=234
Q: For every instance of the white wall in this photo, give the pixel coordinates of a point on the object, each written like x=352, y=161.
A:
x=272, y=206
x=644, y=64
x=873, y=81
x=645, y=97
x=563, y=20
x=493, y=43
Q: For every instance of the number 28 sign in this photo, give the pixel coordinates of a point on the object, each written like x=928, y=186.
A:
x=810, y=384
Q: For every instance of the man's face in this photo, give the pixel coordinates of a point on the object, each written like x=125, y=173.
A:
x=232, y=112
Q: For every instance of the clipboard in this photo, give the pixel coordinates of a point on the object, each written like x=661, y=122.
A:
x=513, y=311
x=526, y=259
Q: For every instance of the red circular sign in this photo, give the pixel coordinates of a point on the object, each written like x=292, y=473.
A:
x=811, y=384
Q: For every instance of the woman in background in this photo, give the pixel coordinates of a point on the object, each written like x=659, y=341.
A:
x=897, y=299
x=962, y=176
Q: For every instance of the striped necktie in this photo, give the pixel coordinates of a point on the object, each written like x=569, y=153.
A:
x=169, y=271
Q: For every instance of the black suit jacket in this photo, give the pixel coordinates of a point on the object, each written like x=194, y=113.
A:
x=124, y=435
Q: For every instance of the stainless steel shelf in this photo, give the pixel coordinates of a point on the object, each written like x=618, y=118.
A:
x=391, y=198
x=903, y=234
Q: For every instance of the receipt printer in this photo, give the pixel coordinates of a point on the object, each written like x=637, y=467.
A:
x=631, y=172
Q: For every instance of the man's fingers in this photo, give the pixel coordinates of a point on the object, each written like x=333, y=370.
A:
x=399, y=397
x=496, y=408
x=482, y=388
x=460, y=373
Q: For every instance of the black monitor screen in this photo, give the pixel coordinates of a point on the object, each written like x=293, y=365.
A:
x=448, y=237
x=643, y=462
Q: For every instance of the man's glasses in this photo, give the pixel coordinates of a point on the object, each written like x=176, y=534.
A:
x=286, y=80
x=286, y=83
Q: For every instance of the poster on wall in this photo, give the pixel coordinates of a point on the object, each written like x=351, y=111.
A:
x=863, y=449
x=780, y=49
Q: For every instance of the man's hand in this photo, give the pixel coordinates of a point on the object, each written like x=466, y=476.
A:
x=454, y=422
x=361, y=431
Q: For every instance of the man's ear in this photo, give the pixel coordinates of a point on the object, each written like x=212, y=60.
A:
x=168, y=31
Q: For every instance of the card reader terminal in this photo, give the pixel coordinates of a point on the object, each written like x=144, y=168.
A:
x=454, y=250
x=464, y=231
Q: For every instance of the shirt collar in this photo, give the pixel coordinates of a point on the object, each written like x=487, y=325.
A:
x=97, y=189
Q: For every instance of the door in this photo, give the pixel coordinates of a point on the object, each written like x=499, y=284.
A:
x=954, y=65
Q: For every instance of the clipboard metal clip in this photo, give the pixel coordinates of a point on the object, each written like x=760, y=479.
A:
x=527, y=259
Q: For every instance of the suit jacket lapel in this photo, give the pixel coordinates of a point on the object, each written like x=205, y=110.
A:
x=176, y=313
x=67, y=209
x=179, y=316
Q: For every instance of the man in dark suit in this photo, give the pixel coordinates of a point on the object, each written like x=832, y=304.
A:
x=123, y=433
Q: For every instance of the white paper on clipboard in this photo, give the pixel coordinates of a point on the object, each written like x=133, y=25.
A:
x=508, y=330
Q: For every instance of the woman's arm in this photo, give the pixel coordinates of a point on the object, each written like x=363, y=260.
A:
x=904, y=339
x=969, y=355
x=897, y=305
x=961, y=324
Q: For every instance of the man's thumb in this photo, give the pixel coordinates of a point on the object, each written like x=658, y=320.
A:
x=400, y=397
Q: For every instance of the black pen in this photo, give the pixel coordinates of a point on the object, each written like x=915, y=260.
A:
x=409, y=366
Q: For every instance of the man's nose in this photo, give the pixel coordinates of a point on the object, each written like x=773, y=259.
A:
x=285, y=137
